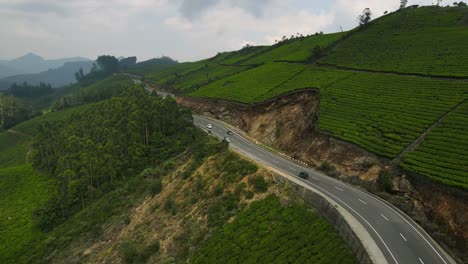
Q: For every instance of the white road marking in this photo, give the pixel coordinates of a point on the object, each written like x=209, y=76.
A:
x=338, y=188
x=365, y=220
x=404, y=238
x=292, y=168
x=412, y=226
x=384, y=217
x=420, y=260
x=362, y=201
x=315, y=178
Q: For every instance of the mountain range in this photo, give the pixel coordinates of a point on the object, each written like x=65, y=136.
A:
x=32, y=63
x=34, y=69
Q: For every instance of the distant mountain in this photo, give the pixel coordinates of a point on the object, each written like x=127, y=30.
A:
x=56, y=77
x=32, y=63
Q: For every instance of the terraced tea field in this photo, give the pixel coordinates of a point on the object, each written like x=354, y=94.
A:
x=442, y=156
x=300, y=49
x=211, y=72
x=382, y=113
x=427, y=40
x=385, y=113
x=251, y=85
x=268, y=232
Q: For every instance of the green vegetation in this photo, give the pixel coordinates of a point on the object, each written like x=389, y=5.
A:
x=268, y=232
x=97, y=91
x=381, y=113
x=13, y=111
x=13, y=148
x=150, y=66
x=194, y=79
x=426, y=40
x=186, y=77
x=103, y=144
x=31, y=126
x=240, y=56
x=297, y=49
x=251, y=85
x=386, y=113
x=442, y=156
x=21, y=190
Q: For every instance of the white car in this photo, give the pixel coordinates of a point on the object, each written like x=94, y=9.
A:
x=209, y=126
x=227, y=139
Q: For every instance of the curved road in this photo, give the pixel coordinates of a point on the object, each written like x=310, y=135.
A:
x=400, y=239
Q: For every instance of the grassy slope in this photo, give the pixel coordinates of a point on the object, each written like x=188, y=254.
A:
x=427, y=40
x=268, y=232
x=13, y=148
x=125, y=224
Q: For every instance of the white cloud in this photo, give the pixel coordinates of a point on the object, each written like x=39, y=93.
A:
x=184, y=29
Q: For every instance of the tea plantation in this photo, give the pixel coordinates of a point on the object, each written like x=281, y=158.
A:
x=443, y=154
x=376, y=83
x=298, y=49
x=269, y=232
x=427, y=40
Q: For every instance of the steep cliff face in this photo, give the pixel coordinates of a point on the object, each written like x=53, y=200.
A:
x=289, y=123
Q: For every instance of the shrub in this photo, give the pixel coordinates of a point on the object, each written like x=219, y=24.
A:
x=156, y=187
x=385, y=180
x=169, y=204
x=129, y=251
x=259, y=183
x=329, y=169
x=249, y=195
x=218, y=190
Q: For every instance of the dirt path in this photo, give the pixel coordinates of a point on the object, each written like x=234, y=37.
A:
x=421, y=138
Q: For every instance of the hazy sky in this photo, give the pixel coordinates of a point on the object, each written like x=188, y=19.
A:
x=183, y=29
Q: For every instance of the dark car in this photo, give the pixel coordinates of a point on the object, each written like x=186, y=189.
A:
x=304, y=175
x=229, y=132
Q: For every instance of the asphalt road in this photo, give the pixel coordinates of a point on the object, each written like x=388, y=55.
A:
x=400, y=239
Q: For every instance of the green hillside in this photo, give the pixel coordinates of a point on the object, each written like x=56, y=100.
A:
x=426, y=40
x=382, y=113
x=250, y=86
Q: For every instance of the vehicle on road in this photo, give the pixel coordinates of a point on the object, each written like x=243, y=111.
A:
x=304, y=175
x=209, y=126
x=229, y=132
x=227, y=139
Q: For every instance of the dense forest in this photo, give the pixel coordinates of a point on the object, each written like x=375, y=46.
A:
x=13, y=111
x=100, y=147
